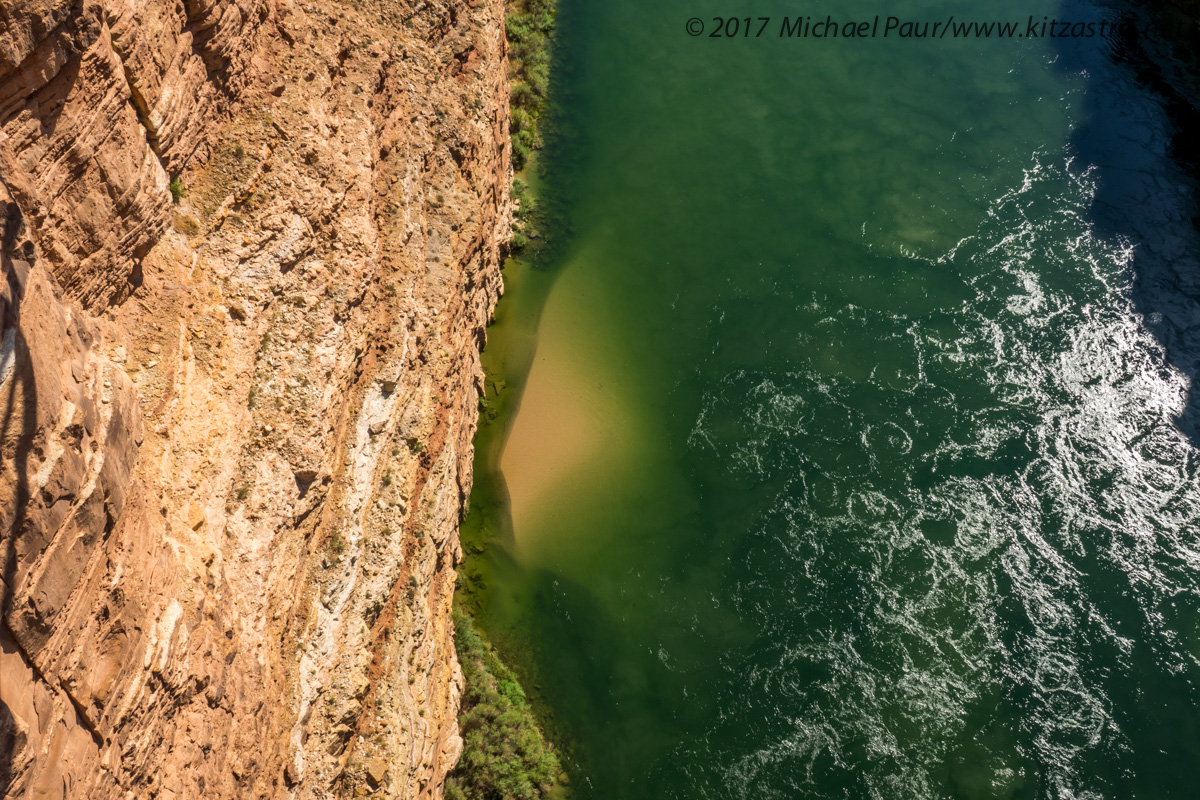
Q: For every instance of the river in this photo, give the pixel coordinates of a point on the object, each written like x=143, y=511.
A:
x=856, y=446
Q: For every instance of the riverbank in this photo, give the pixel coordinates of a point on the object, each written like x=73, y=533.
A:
x=507, y=360
x=506, y=754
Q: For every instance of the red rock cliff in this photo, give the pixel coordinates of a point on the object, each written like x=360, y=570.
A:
x=235, y=426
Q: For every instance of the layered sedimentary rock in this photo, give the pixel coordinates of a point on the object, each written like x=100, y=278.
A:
x=235, y=428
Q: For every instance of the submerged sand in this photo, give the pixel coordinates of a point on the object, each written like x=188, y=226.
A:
x=572, y=424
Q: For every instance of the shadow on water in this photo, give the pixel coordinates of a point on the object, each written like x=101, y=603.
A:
x=1142, y=123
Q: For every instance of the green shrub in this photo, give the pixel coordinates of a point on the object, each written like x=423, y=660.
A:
x=520, y=154
x=538, y=76
x=178, y=191
x=525, y=202
x=529, y=26
x=525, y=208
x=522, y=96
x=504, y=755
x=524, y=139
x=521, y=121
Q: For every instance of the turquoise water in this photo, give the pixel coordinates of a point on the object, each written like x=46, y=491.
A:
x=888, y=345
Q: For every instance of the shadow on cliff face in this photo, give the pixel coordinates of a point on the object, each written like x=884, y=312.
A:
x=17, y=423
x=10, y=739
x=1142, y=134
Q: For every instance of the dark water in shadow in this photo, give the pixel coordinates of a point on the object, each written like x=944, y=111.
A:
x=1144, y=146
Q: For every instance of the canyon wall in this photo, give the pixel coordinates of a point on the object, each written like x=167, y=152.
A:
x=249, y=250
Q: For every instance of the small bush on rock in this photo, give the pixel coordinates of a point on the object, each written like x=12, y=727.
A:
x=504, y=755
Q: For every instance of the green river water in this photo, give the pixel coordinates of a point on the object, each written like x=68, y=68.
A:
x=860, y=420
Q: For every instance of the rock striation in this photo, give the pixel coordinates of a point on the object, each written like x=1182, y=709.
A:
x=249, y=249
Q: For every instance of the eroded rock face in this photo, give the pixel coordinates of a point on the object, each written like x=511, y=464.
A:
x=236, y=429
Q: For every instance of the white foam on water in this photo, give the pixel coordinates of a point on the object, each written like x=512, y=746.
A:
x=1071, y=461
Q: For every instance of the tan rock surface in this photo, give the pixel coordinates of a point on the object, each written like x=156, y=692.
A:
x=235, y=430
